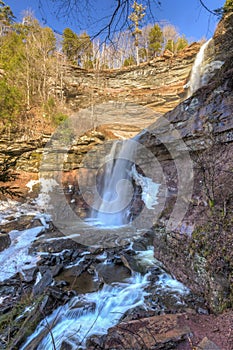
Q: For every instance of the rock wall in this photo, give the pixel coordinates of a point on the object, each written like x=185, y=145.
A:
x=158, y=84
x=198, y=252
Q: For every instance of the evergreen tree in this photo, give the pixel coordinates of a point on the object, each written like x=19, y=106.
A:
x=6, y=15
x=85, y=51
x=6, y=18
x=228, y=6
x=130, y=61
x=10, y=102
x=181, y=43
x=170, y=45
x=155, y=40
x=178, y=45
x=12, y=81
x=70, y=44
x=136, y=17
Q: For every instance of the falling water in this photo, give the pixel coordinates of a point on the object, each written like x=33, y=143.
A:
x=203, y=68
x=89, y=314
x=112, y=205
x=196, y=73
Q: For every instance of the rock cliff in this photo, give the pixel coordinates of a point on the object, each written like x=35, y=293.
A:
x=158, y=84
x=199, y=251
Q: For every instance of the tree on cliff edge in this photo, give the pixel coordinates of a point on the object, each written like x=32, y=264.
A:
x=136, y=17
x=6, y=15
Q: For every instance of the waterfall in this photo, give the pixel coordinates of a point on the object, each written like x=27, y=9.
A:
x=203, y=68
x=112, y=205
x=196, y=73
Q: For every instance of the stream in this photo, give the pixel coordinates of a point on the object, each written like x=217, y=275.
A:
x=94, y=313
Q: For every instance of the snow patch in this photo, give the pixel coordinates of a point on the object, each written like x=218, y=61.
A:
x=149, y=188
x=16, y=257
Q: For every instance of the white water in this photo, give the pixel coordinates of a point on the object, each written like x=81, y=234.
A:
x=202, y=70
x=196, y=73
x=94, y=313
x=100, y=311
x=117, y=190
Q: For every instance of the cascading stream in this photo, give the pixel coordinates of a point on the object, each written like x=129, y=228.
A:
x=94, y=313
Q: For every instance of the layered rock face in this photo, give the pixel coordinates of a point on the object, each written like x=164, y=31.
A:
x=198, y=251
x=158, y=84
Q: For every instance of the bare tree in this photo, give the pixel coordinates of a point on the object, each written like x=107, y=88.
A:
x=170, y=33
x=117, y=19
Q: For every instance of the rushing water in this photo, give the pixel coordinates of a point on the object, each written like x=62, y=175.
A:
x=116, y=193
x=94, y=313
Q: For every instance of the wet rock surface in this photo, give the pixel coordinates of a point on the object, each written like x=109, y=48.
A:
x=158, y=332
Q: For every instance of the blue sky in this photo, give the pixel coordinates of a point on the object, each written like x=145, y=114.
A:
x=188, y=16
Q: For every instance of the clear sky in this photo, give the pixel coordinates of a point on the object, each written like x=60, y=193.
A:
x=188, y=16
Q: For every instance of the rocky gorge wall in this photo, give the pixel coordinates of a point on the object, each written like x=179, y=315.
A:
x=199, y=251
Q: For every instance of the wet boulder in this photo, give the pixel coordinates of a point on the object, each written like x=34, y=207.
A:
x=5, y=241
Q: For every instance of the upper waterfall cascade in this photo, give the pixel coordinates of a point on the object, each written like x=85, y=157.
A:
x=203, y=68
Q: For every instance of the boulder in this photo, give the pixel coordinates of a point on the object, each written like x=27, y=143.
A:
x=5, y=241
x=207, y=344
x=158, y=332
